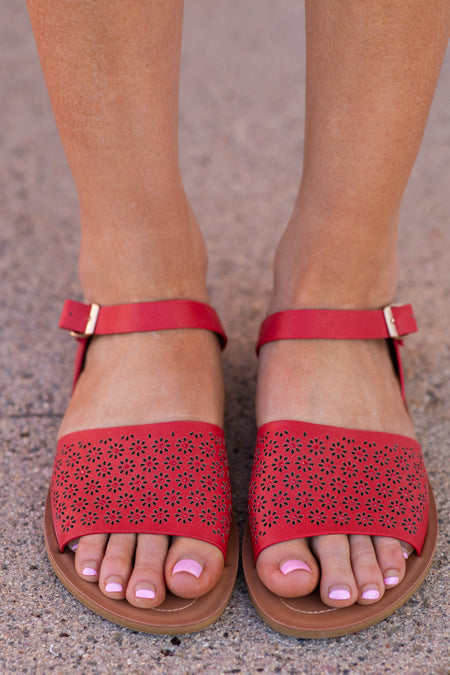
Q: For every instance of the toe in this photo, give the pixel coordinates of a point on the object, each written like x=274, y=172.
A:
x=288, y=569
x=338, y=586
x=192, y=567
x=117, y=565
x=407, y=549
x=89, y=555
x=391, y=560
x=146, y=586
x=366, y=570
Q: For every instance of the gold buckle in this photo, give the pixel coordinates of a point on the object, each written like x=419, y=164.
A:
x=90, y=324
x=390, y=322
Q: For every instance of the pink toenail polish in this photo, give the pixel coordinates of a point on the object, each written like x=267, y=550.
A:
x=292, y=565
x=145, y=593
x=339, y=594
x=391, y=581
x=189, y=566
x=112, y=587
x=371, y=594
x=405, y=555
x=89, y=572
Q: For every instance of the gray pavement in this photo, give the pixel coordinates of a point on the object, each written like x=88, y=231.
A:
x=241, y=139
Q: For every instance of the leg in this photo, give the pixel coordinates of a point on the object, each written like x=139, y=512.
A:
x=112, y=72
x=371, y=72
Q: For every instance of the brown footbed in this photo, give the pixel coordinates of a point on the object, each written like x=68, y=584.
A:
x=309, y=617
x=174, y=617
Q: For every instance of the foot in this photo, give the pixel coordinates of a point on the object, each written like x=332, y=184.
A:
x=346, y=384
x=138, y=379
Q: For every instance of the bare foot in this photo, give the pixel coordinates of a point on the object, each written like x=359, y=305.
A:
x=138, y=379
x=346, y=384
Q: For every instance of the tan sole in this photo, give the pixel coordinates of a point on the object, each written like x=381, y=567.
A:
x=174, y=617
x=309, y=617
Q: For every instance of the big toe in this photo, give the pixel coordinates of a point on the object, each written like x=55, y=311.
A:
x=288, y=569
x=192, y=567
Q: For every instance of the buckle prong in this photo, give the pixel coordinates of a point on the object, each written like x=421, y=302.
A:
x=391, y=323
x=90, y=324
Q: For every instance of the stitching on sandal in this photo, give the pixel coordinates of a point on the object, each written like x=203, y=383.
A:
x=302, y=611
x=177, y=609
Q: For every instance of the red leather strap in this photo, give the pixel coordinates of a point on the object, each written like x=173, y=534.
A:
x=347, y=324
x=140, y=317
x=169, y=478
x=312, y=479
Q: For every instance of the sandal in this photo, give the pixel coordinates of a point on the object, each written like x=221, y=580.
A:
x=168, y=478
x=337, y=480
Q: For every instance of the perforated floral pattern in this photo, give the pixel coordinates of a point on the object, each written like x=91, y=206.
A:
x=310, y=479
x=161, y=478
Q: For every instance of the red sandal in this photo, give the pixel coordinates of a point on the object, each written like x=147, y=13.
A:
x=336, y=480
x=169, y=478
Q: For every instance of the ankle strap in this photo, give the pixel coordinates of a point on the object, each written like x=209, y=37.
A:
x=86, y=320
x=338, y=324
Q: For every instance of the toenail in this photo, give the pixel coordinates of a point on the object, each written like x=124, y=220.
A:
x=292, y=565
x=405, y=555
x=113, y=587
x=145, y=593
x=339, y=594
x=371, y=594
x=391, y=581
x=89, y=572
x=187, y=565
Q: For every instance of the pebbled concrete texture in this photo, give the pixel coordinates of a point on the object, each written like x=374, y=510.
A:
x=241, y=131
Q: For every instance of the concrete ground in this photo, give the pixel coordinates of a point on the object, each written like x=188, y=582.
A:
x=241, y=141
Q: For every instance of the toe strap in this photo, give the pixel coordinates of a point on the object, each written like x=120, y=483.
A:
x=169, y=478
x=311, y=479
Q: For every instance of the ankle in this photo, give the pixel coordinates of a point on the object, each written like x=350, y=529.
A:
x=163, y=259
x=330, y=268
x=316, y=293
